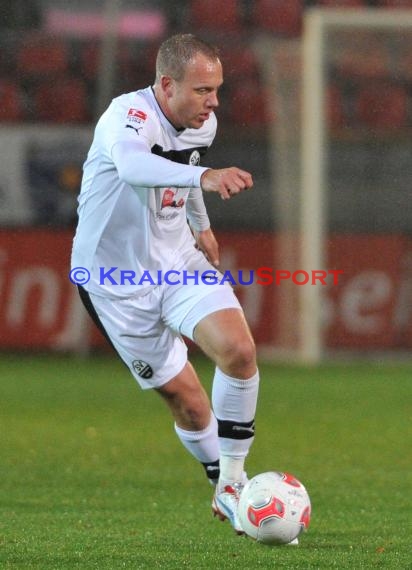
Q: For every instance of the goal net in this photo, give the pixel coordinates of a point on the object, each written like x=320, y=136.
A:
x=340, y=98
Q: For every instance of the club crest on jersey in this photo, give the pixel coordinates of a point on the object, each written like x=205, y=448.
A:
x=194, y=159
x=169, y=199
x=136, y=116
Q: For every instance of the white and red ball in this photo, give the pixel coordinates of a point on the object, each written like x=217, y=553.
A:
x=274, y=508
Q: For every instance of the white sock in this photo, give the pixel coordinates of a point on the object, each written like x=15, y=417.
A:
x=234, y=399
x=204, y=444
x=231, y=469
x=234, y=403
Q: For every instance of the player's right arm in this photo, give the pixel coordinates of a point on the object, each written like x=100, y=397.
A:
x=129, y=144
x=138, y=167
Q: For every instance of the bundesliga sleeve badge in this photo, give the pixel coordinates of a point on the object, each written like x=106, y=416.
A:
x=136, y=116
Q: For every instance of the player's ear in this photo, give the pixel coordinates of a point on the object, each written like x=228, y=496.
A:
x=167, y=85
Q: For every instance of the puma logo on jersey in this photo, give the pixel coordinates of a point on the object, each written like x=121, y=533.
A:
x=137, y=129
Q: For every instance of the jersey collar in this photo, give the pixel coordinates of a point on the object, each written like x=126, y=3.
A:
x=165, y=121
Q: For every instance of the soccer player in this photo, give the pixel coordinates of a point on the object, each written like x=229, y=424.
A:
x=141, y=214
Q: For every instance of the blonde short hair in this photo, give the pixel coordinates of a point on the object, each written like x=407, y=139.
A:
x=176, y=52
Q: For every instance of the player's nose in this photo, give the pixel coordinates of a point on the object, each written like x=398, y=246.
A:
x=213, y=101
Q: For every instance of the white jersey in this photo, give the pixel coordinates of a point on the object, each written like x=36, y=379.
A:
x=141, y=182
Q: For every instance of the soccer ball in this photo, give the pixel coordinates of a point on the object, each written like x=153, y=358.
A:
x=274, y=508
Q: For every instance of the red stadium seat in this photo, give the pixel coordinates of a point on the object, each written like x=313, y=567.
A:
x=89, y=60
x=335, y=108
x=64, y=101
x=342, y=3
x=10, y=101
x=41, y=55
x=395, y=3
x=240, y=63
x=215, y=15
x=278, y=16
x=247, y=104
x=132, y=67
x=404, y=63
x=365, y=60
x=382, y=106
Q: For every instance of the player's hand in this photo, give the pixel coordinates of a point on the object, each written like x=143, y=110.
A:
x=207, y=243
x=226, y=181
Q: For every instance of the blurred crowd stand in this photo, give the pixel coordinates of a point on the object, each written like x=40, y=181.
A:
x=49, y=74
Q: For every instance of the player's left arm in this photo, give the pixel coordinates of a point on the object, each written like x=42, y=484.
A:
x=207, y=243
x=199, y=222
x=197, y=213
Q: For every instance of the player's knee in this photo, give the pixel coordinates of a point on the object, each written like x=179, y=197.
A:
x=239, y=357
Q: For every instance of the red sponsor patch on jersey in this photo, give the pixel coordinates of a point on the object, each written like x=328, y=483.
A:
x=168, y=197
x=136, y=113
x=169, y=200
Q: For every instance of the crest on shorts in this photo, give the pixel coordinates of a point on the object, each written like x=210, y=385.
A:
x=142, y=369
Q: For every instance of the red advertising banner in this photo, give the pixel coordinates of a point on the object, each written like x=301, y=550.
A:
x=369, y=307
x=38, y=305
x=361, y=311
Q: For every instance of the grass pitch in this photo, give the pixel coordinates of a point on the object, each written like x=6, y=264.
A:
x=92, y=475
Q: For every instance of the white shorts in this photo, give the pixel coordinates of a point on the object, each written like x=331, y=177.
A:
x=146, y=330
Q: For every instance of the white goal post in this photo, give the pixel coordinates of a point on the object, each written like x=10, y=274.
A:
x=326, y=32
x=317, y=24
